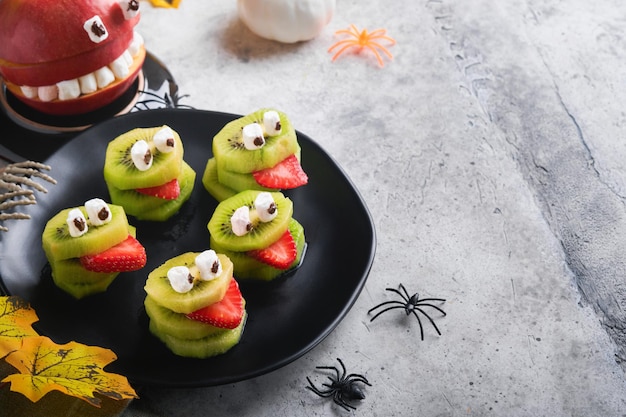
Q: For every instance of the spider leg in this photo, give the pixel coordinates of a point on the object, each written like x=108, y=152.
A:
x=382, y=48
x=385, y=303
x=428, y=317
x=338, y=399
x=325, y=393
x=421, y=303
x=382, y=36
x=344, y=42
x=342, y=50
x=343, y=373
x=387, y=309
x=359, y=378
x=406, y=293
x=375, y=51
x=420, y=323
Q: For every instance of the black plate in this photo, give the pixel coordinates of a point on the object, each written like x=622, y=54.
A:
x=287, y=317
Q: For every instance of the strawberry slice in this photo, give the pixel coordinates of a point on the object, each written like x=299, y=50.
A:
x=168, y=191
x=286, y=174
x=226, y=313
x=279, y=254
x=128, y=255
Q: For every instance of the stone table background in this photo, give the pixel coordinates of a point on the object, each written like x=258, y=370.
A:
x=490, y=152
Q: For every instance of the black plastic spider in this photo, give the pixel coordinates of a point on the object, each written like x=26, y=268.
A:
x=343, y=388
x=169, y=102
x=411, y=304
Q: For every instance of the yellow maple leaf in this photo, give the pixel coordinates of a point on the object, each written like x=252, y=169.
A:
x=74, y=369
x=16, y=319
x=165, y=3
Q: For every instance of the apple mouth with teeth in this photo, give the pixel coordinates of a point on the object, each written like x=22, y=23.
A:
x=63, y=57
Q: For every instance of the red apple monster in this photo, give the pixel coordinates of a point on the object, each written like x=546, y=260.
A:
x=68, y=57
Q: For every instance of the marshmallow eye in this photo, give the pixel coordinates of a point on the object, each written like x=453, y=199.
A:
x=141, y=155
x=95, y=29
x=252, y=136
x=130, y=8
x=76, y=223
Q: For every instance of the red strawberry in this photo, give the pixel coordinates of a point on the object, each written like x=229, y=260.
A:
x=168, y=191
x=128, y=255
x=286, y=174
x=279, y=254
x=226, y=313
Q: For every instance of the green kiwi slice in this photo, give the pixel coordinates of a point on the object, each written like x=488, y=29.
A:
x=70, y=271
x=246, y=267
x=79, y=290
x=212, y=345
x=231, y=155
x=146, y=207
x=202, y=294
x=58, y=244
x=210, y=182
x=261, y=234
x=176, y=324
x=120, y=171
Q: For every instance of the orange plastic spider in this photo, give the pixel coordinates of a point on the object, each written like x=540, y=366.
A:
x=361, y=40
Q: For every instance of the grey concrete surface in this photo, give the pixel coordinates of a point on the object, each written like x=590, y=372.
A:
x=490, y=152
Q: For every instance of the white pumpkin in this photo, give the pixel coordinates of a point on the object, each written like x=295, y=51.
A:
x=286, y=21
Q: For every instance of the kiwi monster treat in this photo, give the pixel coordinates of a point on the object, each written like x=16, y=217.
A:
x=195, y=305
x=146, y=174
x=88, y=246
x=256, y=230
x=259, y=151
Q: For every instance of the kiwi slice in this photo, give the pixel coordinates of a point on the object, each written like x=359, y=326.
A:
x=120, y=171
x=246, y=267
x=210, y=182
x=79, y=290
x=58, y=244
x=147, y=207
x=70, y=271
x=212, y=345
x=231, y=155
x=176, y=324
x=202, y=294
x=261, y=234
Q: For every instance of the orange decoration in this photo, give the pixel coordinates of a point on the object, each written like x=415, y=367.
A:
x=363, y=40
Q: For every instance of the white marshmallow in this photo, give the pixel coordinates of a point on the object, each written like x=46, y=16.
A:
x=119, y=67
x=136, y=43
x=76, y=223
x=98, y=212
x=130, y=8
x=252, y=136
x=240, y=221
x=30, y=92
x=265, y=207
x=48, y=92
x=95, y=29
x=104, y=77
x=68, y=89
x=271, y=123
x=128, y=58
x=164, y=139
x=209, y=265
x=180, y=279
x=88, y=83
x=141, y=155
